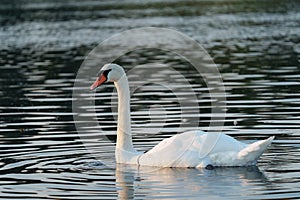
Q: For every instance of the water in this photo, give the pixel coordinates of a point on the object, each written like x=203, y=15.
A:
x=42, y=45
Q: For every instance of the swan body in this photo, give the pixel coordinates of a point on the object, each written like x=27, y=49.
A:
x=189, y=149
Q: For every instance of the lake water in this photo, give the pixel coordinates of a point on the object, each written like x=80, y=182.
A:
x=255, y=44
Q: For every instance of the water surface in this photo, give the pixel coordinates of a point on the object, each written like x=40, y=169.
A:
x=42, y=45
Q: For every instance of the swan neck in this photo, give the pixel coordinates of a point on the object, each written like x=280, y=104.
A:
x=124, y=137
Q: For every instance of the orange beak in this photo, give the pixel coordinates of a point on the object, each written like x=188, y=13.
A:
x=101, y=79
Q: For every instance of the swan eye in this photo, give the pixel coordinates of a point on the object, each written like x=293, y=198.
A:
x=104, y=72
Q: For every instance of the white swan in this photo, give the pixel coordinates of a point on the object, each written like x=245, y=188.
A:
x=189, y=149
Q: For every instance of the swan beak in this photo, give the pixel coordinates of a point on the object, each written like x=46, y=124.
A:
x=101, y=79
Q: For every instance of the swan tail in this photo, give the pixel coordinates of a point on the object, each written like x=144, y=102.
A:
x=252, y=152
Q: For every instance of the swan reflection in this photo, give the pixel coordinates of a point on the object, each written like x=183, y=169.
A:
x=149, y=182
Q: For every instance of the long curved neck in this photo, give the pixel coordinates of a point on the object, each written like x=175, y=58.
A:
x=124, y=137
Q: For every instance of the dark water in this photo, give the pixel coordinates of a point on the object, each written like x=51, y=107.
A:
x=42, y=45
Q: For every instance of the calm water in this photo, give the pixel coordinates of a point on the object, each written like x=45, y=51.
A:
x=256, y=46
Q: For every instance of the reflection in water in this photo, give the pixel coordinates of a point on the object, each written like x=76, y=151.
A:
x=149, y=182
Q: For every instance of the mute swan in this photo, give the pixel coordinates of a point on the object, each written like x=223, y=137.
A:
x=181, y=150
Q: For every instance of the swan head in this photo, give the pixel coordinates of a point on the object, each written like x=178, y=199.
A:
x=109, y=73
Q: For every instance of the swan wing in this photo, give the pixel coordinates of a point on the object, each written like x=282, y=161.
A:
x=189, y=149
x=244, y=157
x=169, y=151
x=253, y=151
x=194, y=149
